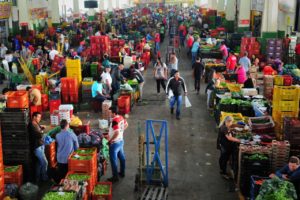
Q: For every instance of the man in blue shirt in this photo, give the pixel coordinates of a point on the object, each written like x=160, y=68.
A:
x=195, y=49
x=67, y=143
x=245, y=62
x=97, y=90
x=290, y=172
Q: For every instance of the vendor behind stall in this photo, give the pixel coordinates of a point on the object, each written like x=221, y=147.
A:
x=224, y=51
x=241, y=74
x=231, y=62
x=226, y=144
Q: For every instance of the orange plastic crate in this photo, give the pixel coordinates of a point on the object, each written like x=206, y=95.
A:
x=14, y=177
x=91, y=182
x=103, y=196
x=17, y=99
x=50, y=152
x=82, y=165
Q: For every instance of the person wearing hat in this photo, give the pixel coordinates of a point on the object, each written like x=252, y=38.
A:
x=116, y=145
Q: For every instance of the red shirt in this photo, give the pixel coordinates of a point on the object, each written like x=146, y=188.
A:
x=297, y=49
x=231, y=62
x=190, y=42
x=157, y=37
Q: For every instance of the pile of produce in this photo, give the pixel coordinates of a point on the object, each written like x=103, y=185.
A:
x=293, y=71
x=11, y=168
x=84, y=151
x=81, y=157
x=257, y=156
x=59, y=196
x=102, y=190
x=79, y=177
x=244, y=135
x=277, y=189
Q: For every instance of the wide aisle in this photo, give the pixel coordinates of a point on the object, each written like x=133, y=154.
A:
x=193, y=157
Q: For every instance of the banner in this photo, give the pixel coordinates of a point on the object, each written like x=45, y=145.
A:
x=149, y=1
x=180, y=1
x=38, y=13
x=5, y=10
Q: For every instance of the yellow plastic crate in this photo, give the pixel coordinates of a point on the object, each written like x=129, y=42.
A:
x=234, y=87
x=286, y=106
x=236, y=116
x=73, y=63
x=283, y=93
x=278, y=80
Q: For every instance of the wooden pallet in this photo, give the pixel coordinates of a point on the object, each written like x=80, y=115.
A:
x=155, y=193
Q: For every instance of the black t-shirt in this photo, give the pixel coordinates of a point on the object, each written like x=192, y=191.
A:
x=249, y=83
x=222, y=139
x=198, y=70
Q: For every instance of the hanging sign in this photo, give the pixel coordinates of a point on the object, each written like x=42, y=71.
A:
x=38, y=13
x=5, y=10
x=245, y=21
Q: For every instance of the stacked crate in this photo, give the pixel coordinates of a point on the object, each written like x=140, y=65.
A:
x=291, y=130
x=57, y=63
x=100, y=186
x=76, y=165
x=50, y=152
x=274, y=48
x=250, y=45
x=100, y=45
x=116, y=45
x=16, y=139
x=268, y=86
x=2, y=186
x=69, y=90
x=86, y=89
x=94, y=69
x=106, y=113
x=124, y=104
x=280, y=154
x=41, y=79
x=283, y=80
x=285, y=104
x=74, y=69
x=15, y=177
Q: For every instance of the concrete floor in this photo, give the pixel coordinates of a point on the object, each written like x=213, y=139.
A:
x=193, y=157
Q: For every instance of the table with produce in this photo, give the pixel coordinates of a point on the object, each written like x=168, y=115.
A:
x=210, y=51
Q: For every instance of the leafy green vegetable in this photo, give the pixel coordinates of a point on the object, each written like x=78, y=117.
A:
x=79, y=177
x=102, y=189
x=60, y=196
x=257, y=156
x=277, y=189
x=11, y=169
x=84, y=151
x=81, y=157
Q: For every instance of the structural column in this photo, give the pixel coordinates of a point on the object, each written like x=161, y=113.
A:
x=270, y=18
x=221, y=5
x=54, y=10
x=23, y=12
x=76, y=6
x=230, y=12
x=244, y=16
x=110, y=5
x=212, y=4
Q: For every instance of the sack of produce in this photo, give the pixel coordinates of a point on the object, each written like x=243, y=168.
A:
x=29, y=191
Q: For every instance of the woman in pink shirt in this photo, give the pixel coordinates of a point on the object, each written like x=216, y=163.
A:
x=241, y=74
x=224, y=51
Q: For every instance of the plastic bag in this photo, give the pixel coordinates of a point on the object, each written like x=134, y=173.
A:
x=171, y=94
x=187, y=102
x=103, y=124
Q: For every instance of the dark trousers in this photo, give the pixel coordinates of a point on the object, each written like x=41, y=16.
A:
x=162, y=37
x=160, y=82
x=224, y=158
x=100, y=98
x=197, y=85
x=62, y=170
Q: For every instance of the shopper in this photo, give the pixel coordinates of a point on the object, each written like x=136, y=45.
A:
x=116, y=145
x=208, y=90
x=98, y=92
x=157, y=42
x=160, y=74
x=122, y=54
x=136, y=74
x=245, y=61
x=290, y=172
x=249, y=83
x=198, y=70
x=106, y=80
x=224, y=51
x=67, y=143
x=176, y=84
x=225, y=143
x=190, y=41
x=241, y=74
x=297, y=51
x=162, y=33
x=173, y=63
x=195, y=49
x=3, y=50
x=231, y=62
x=36, y=136
x=117, y=79
x=35, y=96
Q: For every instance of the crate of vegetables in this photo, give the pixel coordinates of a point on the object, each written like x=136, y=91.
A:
x=13, y=174
x=82, y=177
x=262, y=125
x=86, y=151
x=60, y=195
x=102, y=191
x=256, y=182
x=82, y=162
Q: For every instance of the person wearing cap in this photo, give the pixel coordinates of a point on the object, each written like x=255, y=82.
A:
x=116, y=145
x=176, y=84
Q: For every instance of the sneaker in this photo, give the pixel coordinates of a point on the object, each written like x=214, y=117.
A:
x=113, y=179
x=177, y=117
x=121, y=175
x=172, y=110
x=225, y=176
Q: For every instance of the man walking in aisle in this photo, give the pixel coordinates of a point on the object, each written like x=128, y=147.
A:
x=116, y=145
x=198, y=69
x=176, y=84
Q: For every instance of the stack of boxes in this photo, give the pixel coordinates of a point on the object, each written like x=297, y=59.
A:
x=86, y=89
x=280, y=154
x=268, y=86
x=100, y=45
x=74, y=69
x=116, y=45
x=285, y=104
x=57, y=63
x=69, y=90
x=94, y=69
x=274, y=49
x=291, y=129
x=16, y=139
x=66, y=112
x=250, y=45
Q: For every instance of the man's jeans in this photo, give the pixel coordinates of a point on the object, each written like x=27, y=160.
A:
x=116, y=151
x=173, y=100
x=42, y=165
x=194, y=55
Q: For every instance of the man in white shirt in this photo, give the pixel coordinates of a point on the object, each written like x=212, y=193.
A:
x=52, y=54
x=107, y=80
x=3, y=50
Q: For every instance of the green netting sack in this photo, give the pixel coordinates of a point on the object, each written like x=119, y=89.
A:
x=105, y=149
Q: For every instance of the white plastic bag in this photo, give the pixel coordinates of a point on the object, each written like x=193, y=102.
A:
x=103, y=124
x=187, y=102
x=171, y=94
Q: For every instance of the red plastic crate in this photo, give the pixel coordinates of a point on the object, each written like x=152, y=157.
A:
x=73, y=85
x=104, y=196
x=287, y=80
x=54, y=105
x=14, y=177
x=34, y=109
x=65, y=98
x=45, y=102
x=17, y=99
x=64, y=85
